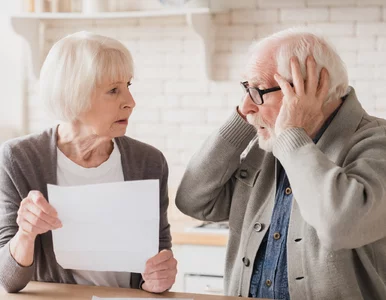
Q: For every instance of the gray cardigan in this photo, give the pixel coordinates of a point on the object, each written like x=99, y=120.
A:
x=29, y=163
x=336, y=245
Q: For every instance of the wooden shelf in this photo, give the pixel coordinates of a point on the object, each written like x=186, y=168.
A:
x=29, y=26
x=117, y=15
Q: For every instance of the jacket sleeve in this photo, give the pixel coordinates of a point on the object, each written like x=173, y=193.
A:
x=13, y=277
x=345, y=205
x=165, y=240
x=205, y=191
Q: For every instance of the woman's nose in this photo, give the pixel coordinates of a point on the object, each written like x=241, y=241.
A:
x=247, y=106
x=129, y=101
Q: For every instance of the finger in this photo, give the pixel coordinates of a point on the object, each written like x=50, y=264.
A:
x=53, y=221
x=324, y=85
x=38, y=198
x=164, y=274
x=160, y=257
x=158, y=286
x=312, y=76
x=170, y=264
x=284, y=85
x=28, y=227
x=36, y=221
x=297, y=76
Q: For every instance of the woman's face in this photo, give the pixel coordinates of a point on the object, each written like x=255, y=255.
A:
x=111, y=107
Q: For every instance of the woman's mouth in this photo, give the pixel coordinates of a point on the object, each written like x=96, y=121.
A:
x=122, y=122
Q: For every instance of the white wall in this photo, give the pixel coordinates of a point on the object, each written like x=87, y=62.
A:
x=177, y=107
x=11, y=97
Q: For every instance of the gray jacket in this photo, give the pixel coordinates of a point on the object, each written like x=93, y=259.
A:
x=336, y=245
x=29, y=163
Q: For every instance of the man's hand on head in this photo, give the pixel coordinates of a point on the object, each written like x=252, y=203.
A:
x=302, y=105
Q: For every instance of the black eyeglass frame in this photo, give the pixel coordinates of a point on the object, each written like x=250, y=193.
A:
x=246, y=87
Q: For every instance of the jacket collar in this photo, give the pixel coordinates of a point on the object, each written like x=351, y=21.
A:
x=342, y=127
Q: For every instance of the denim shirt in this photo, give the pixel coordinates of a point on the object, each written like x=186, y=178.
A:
x=269, y=278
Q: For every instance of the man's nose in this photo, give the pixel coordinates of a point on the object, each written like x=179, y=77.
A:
x=247, y=106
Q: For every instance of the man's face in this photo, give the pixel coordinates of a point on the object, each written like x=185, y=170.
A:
x=262, y=117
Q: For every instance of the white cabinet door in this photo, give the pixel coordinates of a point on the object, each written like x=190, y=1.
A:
x=206, y=262
x=202, y=260
x=204, y=284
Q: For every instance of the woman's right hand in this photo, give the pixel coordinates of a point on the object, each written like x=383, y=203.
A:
x=36, y=215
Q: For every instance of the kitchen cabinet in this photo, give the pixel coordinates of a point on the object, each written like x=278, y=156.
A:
x=202, y=284
x=200, y=269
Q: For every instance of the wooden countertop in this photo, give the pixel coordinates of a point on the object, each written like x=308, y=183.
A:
x=56, y=291
x=182, y=237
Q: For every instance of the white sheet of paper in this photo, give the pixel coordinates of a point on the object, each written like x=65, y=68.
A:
x=106, y=227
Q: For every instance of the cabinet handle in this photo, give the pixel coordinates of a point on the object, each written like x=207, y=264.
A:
x=208, y=289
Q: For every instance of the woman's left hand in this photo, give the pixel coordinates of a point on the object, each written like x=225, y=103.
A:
x=160, y=272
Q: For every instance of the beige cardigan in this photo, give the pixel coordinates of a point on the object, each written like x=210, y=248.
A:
x=336, y=244
x=29, y=163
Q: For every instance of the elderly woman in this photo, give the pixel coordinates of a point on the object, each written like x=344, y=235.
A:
x=85, y=80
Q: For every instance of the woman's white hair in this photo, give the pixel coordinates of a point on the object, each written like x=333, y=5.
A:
x=302, y=42
x=74, y=67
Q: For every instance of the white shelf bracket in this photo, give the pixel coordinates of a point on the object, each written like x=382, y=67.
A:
x=29, y=29
x=203, y=27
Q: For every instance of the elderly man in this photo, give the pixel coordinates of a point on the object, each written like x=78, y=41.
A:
x=299, y=171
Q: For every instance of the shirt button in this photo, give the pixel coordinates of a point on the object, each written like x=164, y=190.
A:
x=288, y=191
x=246, y=261
x=268, y=282
x=258, y=226
x=276, y=235
x=243, y=173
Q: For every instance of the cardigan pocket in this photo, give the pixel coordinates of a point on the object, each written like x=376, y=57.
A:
x=247, y=174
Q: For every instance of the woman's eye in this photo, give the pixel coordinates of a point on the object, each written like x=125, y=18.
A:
x=113, y=91
x=128, y=84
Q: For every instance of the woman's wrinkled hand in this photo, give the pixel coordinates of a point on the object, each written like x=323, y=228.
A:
x=160, y=272
x=36, y=216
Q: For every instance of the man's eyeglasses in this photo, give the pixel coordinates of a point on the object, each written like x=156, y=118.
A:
x=256, y=94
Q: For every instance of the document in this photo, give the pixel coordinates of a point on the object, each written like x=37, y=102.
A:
x=106, y=227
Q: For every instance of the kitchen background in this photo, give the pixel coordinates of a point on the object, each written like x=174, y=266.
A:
x=188, y=60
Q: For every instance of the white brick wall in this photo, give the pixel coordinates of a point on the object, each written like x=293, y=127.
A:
x=177, y=107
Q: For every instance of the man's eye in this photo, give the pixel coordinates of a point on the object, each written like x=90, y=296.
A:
x=113, y=91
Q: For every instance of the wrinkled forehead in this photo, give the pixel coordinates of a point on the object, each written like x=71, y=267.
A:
x=261, y=66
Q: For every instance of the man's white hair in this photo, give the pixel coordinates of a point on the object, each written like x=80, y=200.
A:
x=302, y=42
x=74, y=67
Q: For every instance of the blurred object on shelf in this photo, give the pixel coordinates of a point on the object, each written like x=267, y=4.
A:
x=94, y=6
x=174, y=3
x=186, y=3
x=39, y=6
x=64, y=5
x=55, y=6
x=28, y=6
x=76, y=6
